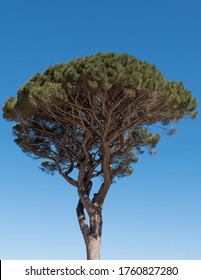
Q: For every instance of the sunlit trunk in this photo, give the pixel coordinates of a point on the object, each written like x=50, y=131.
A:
x=92, y=233
x=93, y=248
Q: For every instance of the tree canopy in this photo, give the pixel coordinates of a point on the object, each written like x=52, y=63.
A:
x=104, y=97
x=95, y=114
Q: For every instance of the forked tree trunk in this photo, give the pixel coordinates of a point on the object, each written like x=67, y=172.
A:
x=92, y=233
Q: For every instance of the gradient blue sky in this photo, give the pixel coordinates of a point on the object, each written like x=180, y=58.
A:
x=156, y=212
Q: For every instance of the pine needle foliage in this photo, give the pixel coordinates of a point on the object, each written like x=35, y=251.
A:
x=72, y=109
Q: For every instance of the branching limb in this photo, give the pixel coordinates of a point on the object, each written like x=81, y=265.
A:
x=82, y=220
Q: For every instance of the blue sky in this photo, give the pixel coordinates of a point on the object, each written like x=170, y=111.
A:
x=153, y=214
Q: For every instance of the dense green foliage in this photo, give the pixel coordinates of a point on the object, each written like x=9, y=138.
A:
x=106, y=72
x=104, y=98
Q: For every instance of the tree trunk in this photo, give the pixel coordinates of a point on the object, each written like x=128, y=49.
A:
x=92, y=233
x=93, y=248
x=93, y=240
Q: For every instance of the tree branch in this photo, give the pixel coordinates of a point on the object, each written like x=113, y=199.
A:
x=82, y=220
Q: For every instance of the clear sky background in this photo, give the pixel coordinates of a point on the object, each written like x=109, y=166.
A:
x=156, y=212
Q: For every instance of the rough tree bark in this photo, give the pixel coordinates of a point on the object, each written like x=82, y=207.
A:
x=92, y=233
